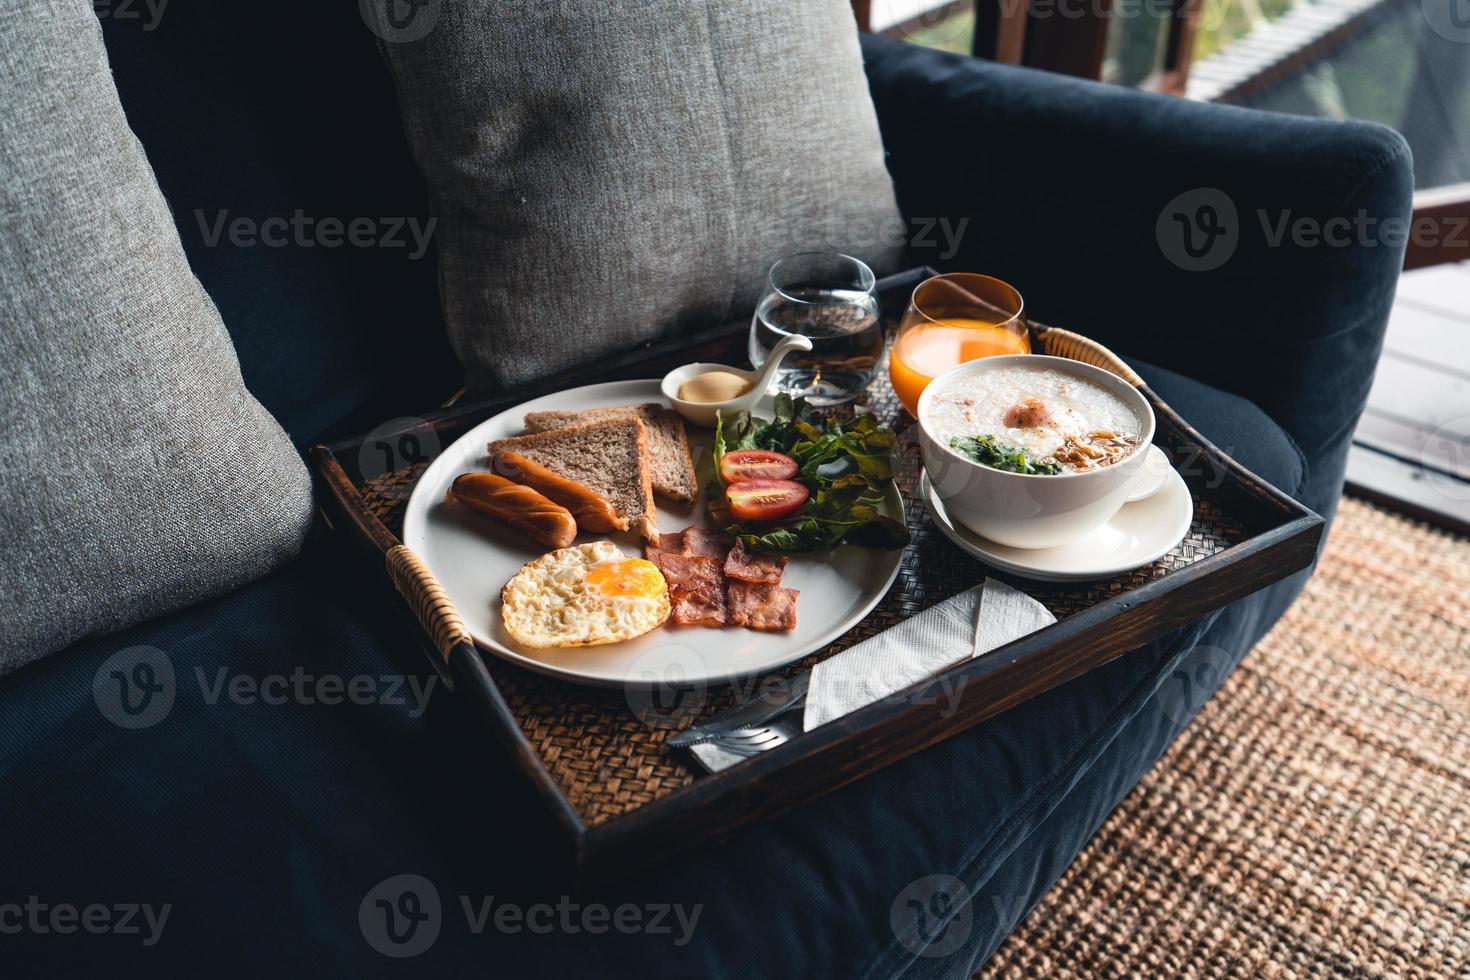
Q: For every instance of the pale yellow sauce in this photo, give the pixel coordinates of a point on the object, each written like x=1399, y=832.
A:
x=713, y=386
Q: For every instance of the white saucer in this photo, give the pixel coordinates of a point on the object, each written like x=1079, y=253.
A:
x=1140, y=533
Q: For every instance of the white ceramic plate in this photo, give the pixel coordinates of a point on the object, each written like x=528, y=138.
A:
x=473, y=559
x=1141, y=532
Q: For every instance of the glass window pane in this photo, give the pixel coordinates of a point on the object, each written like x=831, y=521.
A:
x=1137, y=32
x=932, y=23
x=1404, y=63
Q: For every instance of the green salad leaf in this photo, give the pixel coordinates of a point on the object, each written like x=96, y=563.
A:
x=846, y=464
x=989, y=451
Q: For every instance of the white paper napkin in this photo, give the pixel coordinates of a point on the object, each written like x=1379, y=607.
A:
x=968, y=625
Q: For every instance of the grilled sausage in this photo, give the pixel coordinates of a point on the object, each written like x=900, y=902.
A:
x=515, y=506
x=593, y=512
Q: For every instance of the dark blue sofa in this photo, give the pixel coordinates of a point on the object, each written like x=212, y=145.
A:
x=263, y=827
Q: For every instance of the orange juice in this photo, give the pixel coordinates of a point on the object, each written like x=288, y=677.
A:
x=927, y=350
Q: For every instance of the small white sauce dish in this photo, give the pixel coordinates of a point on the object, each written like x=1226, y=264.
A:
x=1029, y=511
x=703, y=414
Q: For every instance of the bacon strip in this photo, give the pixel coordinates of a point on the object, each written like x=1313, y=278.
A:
x=746, y=566
x=668, y=544
x=715, y=583
x=759, y=606
x=696, y=588
x=692, y=610
x=706, y=542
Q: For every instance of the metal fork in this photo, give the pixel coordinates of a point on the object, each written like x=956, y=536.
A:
x=746, y=742
x=742, y=743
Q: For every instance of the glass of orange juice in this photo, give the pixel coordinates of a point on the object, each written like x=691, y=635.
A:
x=951, y=319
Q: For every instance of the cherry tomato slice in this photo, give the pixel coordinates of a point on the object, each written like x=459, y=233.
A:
x=765, y=500
x=756, y=464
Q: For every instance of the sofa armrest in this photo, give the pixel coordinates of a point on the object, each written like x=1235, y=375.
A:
x=1080, y=194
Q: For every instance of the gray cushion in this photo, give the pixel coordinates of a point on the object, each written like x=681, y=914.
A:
x=608, y=174
x=138, y=474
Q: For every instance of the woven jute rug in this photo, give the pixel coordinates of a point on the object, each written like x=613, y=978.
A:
x=1314, y=819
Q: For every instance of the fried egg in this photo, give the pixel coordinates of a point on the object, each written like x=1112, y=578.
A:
x=584, y=596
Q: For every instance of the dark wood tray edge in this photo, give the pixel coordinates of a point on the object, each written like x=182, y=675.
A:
x=467, y=671
x=881, y=734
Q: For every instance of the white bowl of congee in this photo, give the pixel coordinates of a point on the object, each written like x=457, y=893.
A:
x=1032, y=451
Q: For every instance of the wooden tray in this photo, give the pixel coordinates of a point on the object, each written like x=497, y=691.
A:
x=620, y=798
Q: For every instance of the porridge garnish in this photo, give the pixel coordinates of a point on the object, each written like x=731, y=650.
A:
x=1034, y=421
x=988, y=451
x=1093, y=450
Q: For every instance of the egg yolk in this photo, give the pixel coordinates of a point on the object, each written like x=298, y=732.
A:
x=630, y=577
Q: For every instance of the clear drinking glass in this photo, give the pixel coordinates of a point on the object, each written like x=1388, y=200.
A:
x=831, y=299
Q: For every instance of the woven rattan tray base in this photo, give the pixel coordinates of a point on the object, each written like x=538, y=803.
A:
x=608, y=762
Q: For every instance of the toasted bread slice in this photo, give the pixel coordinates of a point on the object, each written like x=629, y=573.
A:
x=673, y=467
x=610, y=458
